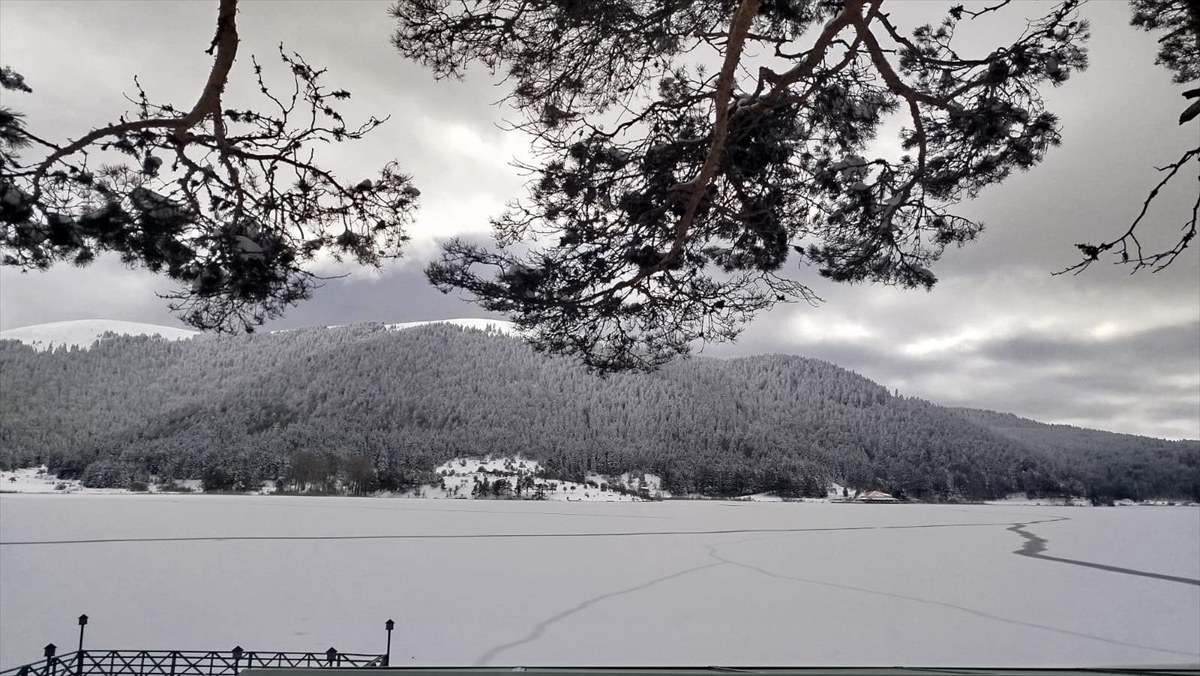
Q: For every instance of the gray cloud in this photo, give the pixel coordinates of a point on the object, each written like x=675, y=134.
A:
x=1102, y=349
x=399, y=295
x=104, y=290
x=1160, y=350
x=1145, y=381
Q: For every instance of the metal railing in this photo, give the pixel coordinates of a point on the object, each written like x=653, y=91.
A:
x=186, y=662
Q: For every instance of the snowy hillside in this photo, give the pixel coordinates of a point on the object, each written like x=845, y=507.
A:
x=411, y=400
x=84, y=332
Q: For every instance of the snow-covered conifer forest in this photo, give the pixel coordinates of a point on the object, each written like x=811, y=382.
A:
x=368, y=408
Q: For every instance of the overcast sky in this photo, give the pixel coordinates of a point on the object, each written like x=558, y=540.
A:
x=1102, y=350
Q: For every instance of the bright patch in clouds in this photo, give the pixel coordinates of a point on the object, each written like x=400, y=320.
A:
x=960, y=341
x=469, y=214
x=815, y=327
x=459, y=139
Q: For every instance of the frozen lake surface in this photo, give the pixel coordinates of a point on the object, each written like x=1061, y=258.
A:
x=526, y=583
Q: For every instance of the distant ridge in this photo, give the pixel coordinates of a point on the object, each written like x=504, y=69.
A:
x=84, y=332
x=498, y=325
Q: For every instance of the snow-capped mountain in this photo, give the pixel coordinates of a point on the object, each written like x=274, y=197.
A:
x=83, y=333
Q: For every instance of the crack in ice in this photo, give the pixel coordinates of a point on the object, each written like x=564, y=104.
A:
x=965, y=609
x=1035, y=545
x=492, y=536
x=540, y=628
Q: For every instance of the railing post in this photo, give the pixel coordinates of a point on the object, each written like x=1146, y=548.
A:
x=174, y=655
x=82, y=623
x=49, y=653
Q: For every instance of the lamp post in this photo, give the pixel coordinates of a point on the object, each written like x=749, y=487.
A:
x=331, y=655
x=48, y=651
x=82, y=623
x=237, y=657
x=79, y=653
x=387, y=658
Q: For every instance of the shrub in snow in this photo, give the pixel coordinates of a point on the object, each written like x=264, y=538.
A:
x=215, y=479
x=106, y=473
x=501, y=487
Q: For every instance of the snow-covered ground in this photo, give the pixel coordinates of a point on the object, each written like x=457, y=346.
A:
x=84, y=332
x=459, y=480
x=462, y=478
x=1021, y=500
x=35, y=480
x=39, y=480
x=634, y=583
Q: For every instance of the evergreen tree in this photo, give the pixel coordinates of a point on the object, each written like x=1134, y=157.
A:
x=671, y=200
x=195, y=193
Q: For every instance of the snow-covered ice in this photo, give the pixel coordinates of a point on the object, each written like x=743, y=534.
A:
x=572, y=583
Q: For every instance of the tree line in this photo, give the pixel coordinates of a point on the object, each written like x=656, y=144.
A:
x=368, y=409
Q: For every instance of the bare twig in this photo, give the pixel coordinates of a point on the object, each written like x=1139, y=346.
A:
x=975, y=15
x=1129, y=239
x=226, y=43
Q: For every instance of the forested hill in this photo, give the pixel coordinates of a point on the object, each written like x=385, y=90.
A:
x=246, y=406
x=1109, y=463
